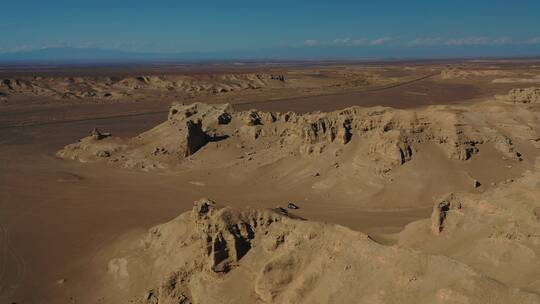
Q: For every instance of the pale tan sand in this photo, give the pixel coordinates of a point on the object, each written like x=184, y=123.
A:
x=72, y=231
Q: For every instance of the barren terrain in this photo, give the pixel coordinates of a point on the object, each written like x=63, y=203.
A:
x=421, y=176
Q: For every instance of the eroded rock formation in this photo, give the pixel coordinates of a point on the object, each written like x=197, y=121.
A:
x=383, y=137
x=462, y=73
x=495, y=232
x=119, y=87
x=523, y=95
x=261, y=256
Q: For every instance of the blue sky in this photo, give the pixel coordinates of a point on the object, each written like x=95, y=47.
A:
x=327, y=28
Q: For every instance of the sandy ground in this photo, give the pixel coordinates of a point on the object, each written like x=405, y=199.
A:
x=54, y=211
x=55, y=214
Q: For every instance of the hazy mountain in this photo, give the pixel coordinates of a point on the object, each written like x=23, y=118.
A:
x=87, y=55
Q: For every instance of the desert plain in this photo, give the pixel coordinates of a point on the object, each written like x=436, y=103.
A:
x=271, y=182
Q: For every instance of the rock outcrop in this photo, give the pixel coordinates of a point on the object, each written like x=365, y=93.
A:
x=3, y=97
x=261, y=256
x=118, y=87
x=461, y=73
x=441, y=211
x=384, y=137
x=524, y=95
x=495, y=232
x=195, y=137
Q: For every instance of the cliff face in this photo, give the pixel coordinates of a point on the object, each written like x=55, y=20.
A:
x=383, y=137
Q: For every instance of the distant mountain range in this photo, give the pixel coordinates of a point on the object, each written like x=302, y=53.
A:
x=97, y=55
x=61, y=55
x=93, y=54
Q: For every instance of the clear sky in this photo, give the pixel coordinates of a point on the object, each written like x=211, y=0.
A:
x=334, y=27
